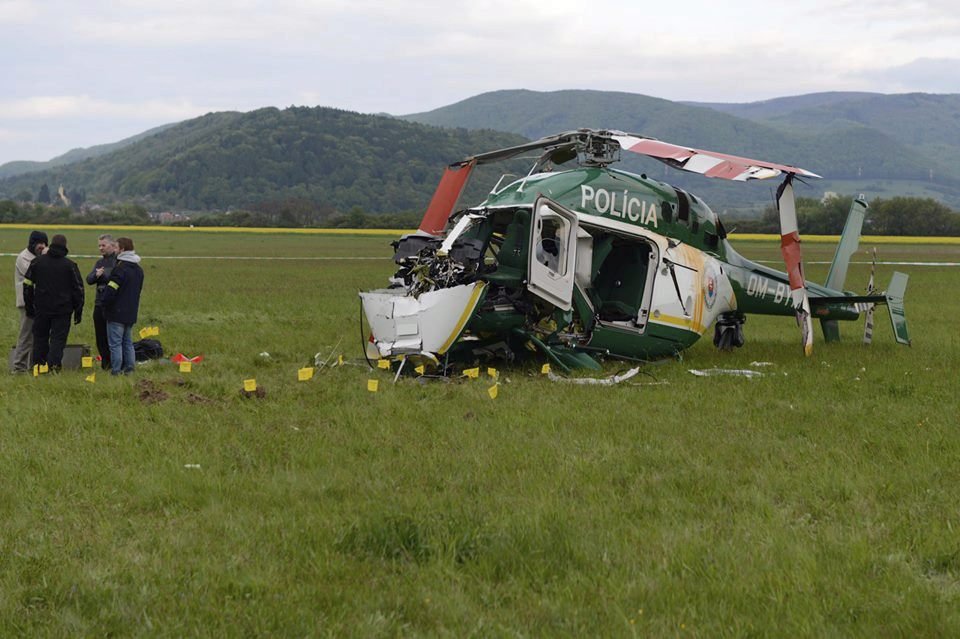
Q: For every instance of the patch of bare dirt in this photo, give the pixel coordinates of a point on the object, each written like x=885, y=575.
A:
x=260, y=393
x=149, y=393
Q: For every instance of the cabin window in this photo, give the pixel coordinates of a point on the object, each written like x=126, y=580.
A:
x=552, y=237
x=667, y=209
x=683, y=206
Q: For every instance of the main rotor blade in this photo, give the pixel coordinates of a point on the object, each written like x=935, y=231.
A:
x=445, y=198
x=708, y=163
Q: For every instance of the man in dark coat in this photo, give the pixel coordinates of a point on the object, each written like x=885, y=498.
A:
x=100, y=275
x=121, y=303
x=52, y=290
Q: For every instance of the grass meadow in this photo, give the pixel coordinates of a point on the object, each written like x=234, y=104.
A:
x=822, y=499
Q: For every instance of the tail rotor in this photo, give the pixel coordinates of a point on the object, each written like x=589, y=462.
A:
x=871, y=289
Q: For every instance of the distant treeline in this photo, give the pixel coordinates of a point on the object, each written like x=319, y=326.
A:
x=896, y=216
x=26, y=213
x=293, y=213
x=298, y=213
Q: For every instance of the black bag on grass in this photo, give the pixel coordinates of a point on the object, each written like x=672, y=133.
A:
x=147, y=349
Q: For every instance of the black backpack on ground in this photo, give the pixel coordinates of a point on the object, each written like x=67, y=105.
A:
x=147, y=349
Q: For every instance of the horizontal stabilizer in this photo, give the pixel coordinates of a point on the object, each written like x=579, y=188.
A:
x=848, y=299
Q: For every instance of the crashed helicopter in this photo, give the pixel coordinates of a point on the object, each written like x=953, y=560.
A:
x=590, y=261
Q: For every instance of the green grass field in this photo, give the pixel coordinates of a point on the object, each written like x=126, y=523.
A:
x=818, y=500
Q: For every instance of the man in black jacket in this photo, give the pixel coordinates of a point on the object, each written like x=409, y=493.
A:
x=121, y=303
x=100, y=275
x=52, y=290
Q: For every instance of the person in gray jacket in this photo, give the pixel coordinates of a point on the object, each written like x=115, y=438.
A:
x=21, y=355
x=100, y=275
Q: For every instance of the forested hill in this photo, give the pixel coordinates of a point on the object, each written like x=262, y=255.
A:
x=333, y=158
x=879, y=144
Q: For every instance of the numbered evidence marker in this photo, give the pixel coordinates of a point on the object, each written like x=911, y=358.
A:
x=92, y=378
x=186, y=367
x=492, y=372
x=303, y=374
x=86, y=362
x=472, y=373
x=421, y=369
x=373, y=385
x=383, y=363
x=149, y=331
x=545, y=369
x=250, y=385
x=493, y=391
x=44, y=368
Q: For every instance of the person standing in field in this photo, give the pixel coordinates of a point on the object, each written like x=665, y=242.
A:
x=121, y=303
x=24, y=349
x=100, y=275
x=52, y=290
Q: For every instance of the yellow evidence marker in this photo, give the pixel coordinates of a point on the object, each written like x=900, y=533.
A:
x=186, y=367
x=86, y=362
x=250, y=385
x=373, y=385
x=92, y=378
x=303, y=374
x=383, y=363
x=472, y=373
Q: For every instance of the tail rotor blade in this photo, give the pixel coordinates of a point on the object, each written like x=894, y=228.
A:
x=868, y=323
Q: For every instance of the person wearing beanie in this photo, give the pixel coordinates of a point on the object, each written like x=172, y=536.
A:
x=121, y=304
x=52, y=291
x=24, y=349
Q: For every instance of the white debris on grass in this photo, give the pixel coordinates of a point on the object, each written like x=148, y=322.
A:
x=736, y=372
x=594, y=381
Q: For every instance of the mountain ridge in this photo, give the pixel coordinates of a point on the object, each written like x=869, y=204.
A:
x=861, y=142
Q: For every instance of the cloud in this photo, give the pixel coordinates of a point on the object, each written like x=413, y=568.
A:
x=17, y=12
x=83, y=106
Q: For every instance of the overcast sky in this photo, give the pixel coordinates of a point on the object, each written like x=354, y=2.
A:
x=76, y=74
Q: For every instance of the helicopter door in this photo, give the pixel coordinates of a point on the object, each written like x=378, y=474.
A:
x=552, y=259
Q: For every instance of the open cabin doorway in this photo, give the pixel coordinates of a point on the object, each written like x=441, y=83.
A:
x=622, y=271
